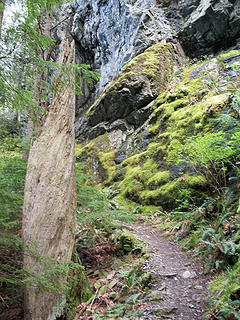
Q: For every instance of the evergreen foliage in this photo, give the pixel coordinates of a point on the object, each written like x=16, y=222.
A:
x=98, y=217
x=24, y=72
x=12, y=174
x=209, y=154
x=26, y=87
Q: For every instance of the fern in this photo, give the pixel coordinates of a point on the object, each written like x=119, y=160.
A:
x=208, y=232
x=98, y=217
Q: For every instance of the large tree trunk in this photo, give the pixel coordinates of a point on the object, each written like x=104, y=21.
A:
x=49, y=198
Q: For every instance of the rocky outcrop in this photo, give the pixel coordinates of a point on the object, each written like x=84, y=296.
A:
x=126, y=103
x=111, y=33
x=135, y=46
x=212, y=26
x=136, y=165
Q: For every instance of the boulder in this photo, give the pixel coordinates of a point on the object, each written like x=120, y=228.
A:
x=137, y=85
x=213, y=25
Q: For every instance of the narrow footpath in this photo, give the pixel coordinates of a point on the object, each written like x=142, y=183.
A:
x=179, y=284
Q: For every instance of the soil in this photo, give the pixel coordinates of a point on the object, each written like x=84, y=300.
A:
x=179, y=284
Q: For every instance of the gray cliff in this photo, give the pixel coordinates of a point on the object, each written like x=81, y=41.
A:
x=113, y=32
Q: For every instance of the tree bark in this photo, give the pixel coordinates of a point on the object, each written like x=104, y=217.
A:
x=50, y=198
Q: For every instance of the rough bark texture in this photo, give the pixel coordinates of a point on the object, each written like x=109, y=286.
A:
x=49, y=198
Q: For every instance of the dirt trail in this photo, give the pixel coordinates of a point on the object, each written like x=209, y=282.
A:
x=179, y=284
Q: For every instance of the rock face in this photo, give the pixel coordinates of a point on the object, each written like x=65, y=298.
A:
x=111, y=33
x=136, y=165
x=126, y=103
x=49, y=201
x=126, y=123
x=213, y=25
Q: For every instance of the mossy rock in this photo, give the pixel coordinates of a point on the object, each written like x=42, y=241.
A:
x=158, y=179
x=145, y=280
x=127, y=242
x=80, y=290
x=138, y=83
x=184, y=110
x=97, y=159
x=168, y=192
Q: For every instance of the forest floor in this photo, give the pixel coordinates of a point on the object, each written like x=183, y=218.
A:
x=171, y=284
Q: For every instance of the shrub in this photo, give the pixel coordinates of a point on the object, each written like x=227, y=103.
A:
x=209, y=155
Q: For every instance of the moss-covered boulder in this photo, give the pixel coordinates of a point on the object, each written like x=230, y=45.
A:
x=127, y=242
x=139, y=83
x=97, y=158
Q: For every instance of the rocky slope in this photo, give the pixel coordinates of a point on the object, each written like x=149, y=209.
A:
x=129, y=135
x=128, y=112
x=111, y=33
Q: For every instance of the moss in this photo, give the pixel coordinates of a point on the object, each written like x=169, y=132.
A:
x=163, y=138
x=135, y=172
x=131, y=188
x=215, y=103
x=169, y=108
x=136, y=177
x=194, y=181
x=97, y=102
x=186, y=117
x=159, y=178
x=126, y=202
x=126, y=242
x=152, y=147
x=80, y=290
x=229, y=54
x=78, y=149
x=161, y=99
x=156, y=151
x=149, y=168
x=97, y=158
x=179, y=109
x=187, y=72
x=193, y=87
x=134, y=160
x=149, y=63
x=123, y=78
x=82, y=151
x=150, y=210
x=166, y=194
x=107, y=161
x=155, y=63
x=160, y=195
x=133, y=182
